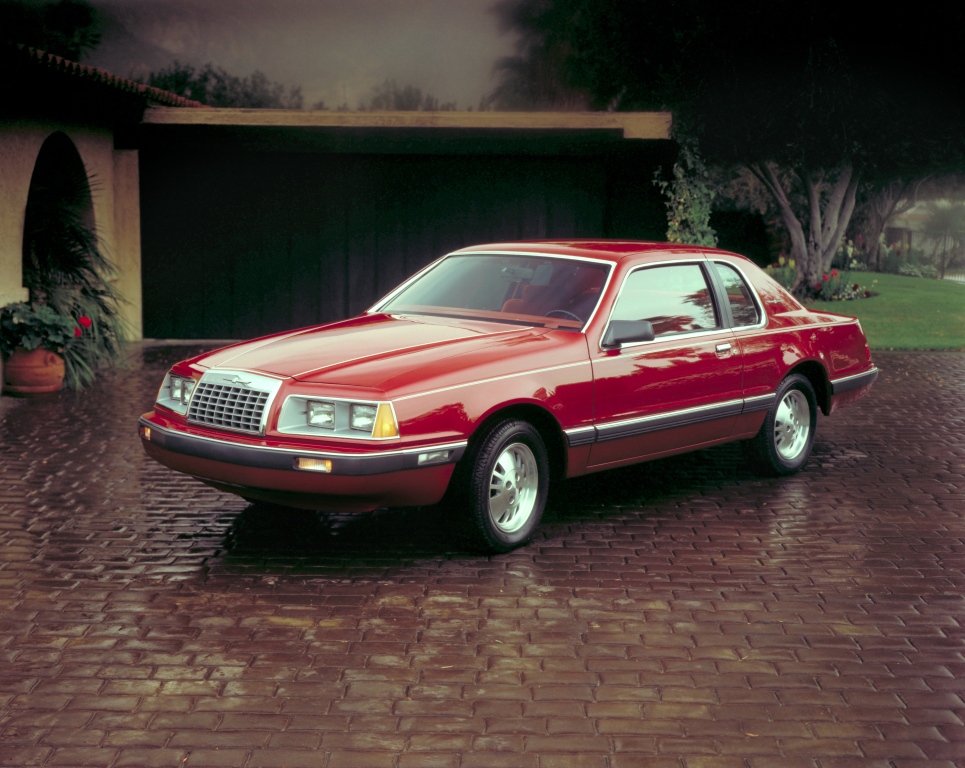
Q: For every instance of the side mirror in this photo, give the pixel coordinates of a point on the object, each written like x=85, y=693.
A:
x=626, y=331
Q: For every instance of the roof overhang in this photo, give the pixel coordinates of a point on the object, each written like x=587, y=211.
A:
x=403, y=132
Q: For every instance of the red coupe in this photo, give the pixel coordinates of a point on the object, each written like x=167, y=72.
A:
x=501, y=367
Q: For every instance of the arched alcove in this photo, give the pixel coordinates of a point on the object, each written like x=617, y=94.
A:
x=59, y=204
x=64, y=266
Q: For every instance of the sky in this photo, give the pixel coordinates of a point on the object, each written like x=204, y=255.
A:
x=336, y=50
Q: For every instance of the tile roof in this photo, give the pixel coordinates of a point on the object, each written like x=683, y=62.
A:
x=42, y=60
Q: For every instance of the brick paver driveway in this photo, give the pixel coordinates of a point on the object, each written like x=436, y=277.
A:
x=682, y=614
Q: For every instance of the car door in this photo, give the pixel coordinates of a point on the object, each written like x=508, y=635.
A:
x=679, y=391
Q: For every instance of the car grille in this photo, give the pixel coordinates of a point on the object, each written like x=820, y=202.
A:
x=229, y=407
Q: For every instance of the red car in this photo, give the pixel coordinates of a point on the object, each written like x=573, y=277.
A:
x=501, y=367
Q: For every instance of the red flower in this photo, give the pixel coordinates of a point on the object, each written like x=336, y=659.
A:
x=84, y=321
x=77, y=331
x=855, y=287
x=834, y=273
x=824, y=277
x=817, y=286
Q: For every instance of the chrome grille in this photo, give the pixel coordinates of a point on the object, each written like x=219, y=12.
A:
x=227, y=406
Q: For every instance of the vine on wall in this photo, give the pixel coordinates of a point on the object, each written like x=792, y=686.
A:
x=689, y=198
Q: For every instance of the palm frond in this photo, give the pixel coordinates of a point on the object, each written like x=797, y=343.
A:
x=65, y=267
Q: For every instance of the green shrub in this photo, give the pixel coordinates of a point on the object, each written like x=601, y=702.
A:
x=783, y=271
x=30, y=327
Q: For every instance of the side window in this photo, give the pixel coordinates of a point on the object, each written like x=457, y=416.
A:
x=675, y=299
x=743, y=308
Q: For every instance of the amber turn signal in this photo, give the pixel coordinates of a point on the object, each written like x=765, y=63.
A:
x=385, y=425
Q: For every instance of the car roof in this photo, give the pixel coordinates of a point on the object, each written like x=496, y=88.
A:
x=605, y=250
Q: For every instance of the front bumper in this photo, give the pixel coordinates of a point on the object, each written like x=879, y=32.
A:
x=356, y=482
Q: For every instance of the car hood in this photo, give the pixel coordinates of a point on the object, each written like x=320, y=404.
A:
x=367, y=351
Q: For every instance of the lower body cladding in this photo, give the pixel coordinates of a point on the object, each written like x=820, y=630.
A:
x=309, y=478
x=850, y=388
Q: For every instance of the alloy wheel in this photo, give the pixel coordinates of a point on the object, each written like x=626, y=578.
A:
x=792, y=425
x=513, y=488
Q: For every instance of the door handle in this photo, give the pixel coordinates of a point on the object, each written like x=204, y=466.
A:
x=723, y=349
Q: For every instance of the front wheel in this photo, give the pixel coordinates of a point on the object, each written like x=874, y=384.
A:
x=507, y=486
x=787, y=436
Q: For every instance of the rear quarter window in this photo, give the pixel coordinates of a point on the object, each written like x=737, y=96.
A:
x=744, y=308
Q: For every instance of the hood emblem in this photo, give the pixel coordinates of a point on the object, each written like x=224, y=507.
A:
x=237, y=380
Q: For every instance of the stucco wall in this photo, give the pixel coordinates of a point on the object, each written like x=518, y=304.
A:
x=114, y=194
x=19, y=145
x=126, y=253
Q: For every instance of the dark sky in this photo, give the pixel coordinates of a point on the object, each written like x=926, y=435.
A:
x=337, y=50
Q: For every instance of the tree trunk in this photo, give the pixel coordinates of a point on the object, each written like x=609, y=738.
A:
x=895, y=198
x=813, y=249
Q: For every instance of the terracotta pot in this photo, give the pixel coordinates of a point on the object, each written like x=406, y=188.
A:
x=39, y=372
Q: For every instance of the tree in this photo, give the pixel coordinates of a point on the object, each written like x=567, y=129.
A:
x=215, y=87
x=812, y=98
x=945, y=229
x=67, y=28
x=390, y=97
x=880, y=203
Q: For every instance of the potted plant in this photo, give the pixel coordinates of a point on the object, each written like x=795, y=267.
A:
x=32, y=342
x=65, y=268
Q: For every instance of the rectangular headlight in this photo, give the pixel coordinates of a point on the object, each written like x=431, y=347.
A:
x=321, y=414
x=362, y=417
x=181, y=388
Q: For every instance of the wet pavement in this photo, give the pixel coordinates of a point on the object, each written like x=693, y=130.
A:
x=681, y=614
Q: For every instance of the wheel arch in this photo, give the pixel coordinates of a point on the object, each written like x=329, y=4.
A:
x=544, y=422
x=816, y=373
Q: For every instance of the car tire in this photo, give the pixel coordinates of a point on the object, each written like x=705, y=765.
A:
x=784, y=443
x=506, y=486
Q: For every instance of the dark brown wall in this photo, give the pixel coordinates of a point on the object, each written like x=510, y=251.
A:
x=239, y=244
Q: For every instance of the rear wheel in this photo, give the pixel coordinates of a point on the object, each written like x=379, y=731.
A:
x=787, y=436
x=507, y=486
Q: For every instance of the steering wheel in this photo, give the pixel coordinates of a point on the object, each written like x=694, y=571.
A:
x=565, y=313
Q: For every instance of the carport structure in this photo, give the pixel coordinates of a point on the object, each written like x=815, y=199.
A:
x=256, y=221
x=235, y=223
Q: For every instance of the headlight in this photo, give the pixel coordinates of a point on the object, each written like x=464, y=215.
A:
x=335, y=417
x=377, y=420
x=321, y=414
x=181, y=389
x=362, y=417
x=175, y=392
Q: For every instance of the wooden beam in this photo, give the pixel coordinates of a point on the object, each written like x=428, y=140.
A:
x=635, y=125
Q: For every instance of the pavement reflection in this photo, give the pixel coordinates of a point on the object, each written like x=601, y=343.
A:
x=681, y=610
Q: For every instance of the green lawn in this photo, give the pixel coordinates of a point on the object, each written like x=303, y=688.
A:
x=909, y=313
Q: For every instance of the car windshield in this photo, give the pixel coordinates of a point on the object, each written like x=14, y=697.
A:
x=538, y=290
